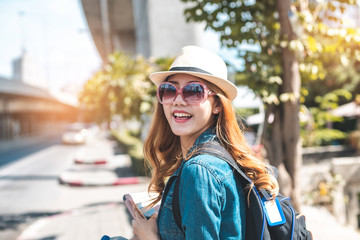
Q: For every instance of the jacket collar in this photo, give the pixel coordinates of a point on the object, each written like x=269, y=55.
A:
x=206, y=136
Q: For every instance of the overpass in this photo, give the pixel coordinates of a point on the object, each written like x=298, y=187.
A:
x=151, y=28
x=113, y=26
x=26, y=110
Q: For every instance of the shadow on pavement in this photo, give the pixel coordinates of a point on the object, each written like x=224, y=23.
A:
x=11, y=221
x=29, y=177
x=14, y=151
x=124, y=172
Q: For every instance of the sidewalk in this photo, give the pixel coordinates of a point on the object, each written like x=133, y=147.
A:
x=91, y=222
x=113, y=220
x=324, y=226
x=116, y=171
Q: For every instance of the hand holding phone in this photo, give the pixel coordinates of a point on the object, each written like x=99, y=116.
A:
x=131, y=206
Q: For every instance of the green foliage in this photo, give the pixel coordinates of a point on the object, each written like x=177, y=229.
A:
x=325, y=191
x=333, y=64
x=244, y=23
x=316, y=129
x=122, y=88
x=246, y=112
x=328, y=51
x=321, y=49
x=322, y=137
x=331, y=99
x=134, y=147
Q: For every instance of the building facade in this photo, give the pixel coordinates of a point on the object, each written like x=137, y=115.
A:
x=26, y=108
x=151, y=28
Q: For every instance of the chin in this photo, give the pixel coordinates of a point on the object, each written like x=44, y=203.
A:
x=180, y=132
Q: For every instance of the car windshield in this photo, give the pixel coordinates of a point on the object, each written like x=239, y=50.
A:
x=74, y=128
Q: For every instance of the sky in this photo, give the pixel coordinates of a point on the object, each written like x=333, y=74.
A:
x=54, y=34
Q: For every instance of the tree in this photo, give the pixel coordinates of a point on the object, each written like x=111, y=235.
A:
x=288, y=35
x=122, y=88
x=317, y=129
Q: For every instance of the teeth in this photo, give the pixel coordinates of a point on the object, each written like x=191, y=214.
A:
x=182, y=115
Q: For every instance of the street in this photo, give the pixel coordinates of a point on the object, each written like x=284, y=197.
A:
x=30, y=184
x=34, y=205
x=30, y=189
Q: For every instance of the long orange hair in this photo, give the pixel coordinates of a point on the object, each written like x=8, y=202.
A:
x=162, y=149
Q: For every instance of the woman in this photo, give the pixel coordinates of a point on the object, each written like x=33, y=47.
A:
x=194, y=109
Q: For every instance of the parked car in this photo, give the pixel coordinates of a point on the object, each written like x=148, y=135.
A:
x=75, y=133
x=93, y=154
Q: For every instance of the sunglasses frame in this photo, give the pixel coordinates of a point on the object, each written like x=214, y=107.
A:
x=207, y=92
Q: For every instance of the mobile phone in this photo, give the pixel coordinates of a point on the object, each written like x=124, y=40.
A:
x=131, y=206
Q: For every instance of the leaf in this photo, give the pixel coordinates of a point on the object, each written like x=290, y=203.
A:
x=344, y=60
x=275, y=79
x=312, y=44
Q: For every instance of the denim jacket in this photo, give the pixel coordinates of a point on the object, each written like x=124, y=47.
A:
x=211, y=200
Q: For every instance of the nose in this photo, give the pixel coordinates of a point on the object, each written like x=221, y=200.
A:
x=179, y=100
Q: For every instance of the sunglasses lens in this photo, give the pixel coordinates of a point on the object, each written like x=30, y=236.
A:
x=193, y=93
x=166, y=93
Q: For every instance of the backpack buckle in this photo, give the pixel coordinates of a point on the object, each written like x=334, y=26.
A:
x=265, y=194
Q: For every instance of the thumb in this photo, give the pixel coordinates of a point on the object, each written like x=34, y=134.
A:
x=154, y=215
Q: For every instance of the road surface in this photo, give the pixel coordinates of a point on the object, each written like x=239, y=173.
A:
x=29, y=187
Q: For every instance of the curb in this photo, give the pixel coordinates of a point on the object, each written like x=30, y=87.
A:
x=100, y=172
x=112, y=182
x=95, y=162
x=118, y=160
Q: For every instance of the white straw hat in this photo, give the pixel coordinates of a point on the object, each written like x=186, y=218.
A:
x=201, y=63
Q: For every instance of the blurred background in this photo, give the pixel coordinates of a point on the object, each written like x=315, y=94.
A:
x=76, y=102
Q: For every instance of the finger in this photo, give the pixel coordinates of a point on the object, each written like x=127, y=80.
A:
x=154, y=215
x=136, y=215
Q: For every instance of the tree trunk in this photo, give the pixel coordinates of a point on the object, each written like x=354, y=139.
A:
x=274, y=146
x=285, y=146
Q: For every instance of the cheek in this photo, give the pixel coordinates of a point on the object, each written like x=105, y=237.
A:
x=167, y=112
x=204, y=113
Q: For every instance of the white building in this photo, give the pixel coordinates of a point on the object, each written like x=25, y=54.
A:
x=27, y=70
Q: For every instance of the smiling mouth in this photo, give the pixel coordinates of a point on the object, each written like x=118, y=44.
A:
x=182, y=115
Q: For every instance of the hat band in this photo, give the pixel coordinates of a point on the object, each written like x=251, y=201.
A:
x=189, y=69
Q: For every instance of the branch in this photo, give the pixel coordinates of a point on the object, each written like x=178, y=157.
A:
x=316, y=12
x=304, y=5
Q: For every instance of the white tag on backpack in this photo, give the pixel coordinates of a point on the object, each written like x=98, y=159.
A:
x=273, y=212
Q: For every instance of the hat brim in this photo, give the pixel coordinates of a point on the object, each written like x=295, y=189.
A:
x=225, y=85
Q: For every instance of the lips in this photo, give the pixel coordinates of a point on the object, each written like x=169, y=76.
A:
x=181, y=115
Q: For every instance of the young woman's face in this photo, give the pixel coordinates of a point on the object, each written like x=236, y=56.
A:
x=189, y=120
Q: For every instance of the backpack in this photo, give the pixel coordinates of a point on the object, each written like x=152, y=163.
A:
x=258, y=227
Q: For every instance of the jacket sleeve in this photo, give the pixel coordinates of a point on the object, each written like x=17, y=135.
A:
x=201, y=200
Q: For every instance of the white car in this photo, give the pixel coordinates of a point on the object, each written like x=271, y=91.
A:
x=75, y=134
